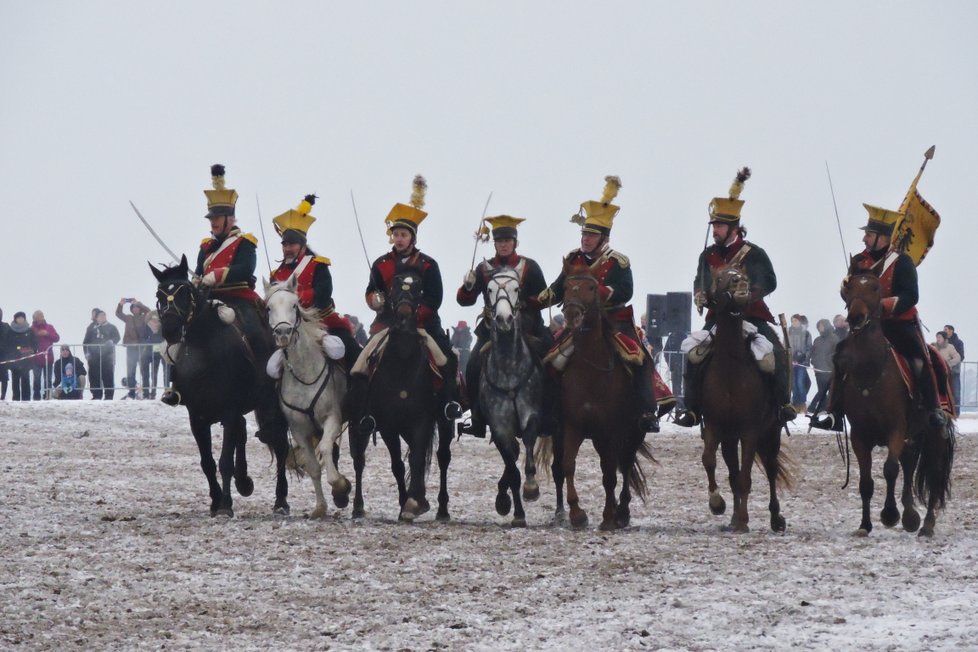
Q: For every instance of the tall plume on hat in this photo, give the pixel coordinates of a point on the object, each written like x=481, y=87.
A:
x=217, y=176
x=612, y=184
x=419, y=188
x=306, y=204
x=743, y=174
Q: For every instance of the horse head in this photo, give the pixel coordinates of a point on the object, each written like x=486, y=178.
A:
x=730, y=291
x=503, y=296
x=405, y=297
x=861, y=292
x=283, y=309
x=177, y=299
x=581, y=295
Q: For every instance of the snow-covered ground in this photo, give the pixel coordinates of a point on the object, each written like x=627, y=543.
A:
x=106, y=542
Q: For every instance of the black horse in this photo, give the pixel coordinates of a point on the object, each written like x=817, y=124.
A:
x=219, y=375
x=401, y=402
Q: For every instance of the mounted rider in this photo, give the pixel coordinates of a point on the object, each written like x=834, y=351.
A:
x=899, y=321
x=226, y=267
x=614, y=275
x=505, y=239
x=730, y=247
x=314, y=282
x=402, y=226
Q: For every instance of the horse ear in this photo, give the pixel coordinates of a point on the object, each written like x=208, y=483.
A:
x=183, y=264
x=292, y=283
x=265, y=284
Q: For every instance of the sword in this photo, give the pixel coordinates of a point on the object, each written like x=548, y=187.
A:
x=837, y=221
x=261, y=225
x=360, y=231
x=153, y=233
x=478, y=229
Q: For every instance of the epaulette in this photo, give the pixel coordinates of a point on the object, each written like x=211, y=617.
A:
x=250, y=238
x=205, y=242
x=571, y=254
x=620, y=257
x=322, y=259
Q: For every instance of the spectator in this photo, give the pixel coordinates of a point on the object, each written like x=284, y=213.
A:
x=22, y=344
x=953, y=360
x=955, y=341
x=801, y=351
x=841, y=327
x=462, y=342
x=5, y=355
x=151, y=358
x=677, y=364
x=822, y=349
x=359, y=333
x=69, y=376
x=132, y=337
x=100, y=340
x=47, y=336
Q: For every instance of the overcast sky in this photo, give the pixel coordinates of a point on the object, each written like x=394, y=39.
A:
x=103, y=102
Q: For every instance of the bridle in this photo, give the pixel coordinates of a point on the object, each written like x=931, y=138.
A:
x=166, y=301
x=496, y=288
x=737, y=284
x=573, y=284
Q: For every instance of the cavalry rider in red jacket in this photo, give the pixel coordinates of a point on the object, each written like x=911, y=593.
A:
x=901, y=327
x=532, y=283
x=731, y=248
x=314, y=283
x=402, y=225
x=614, y=275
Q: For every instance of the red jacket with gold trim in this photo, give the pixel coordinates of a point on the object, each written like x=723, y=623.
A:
x=757, y=266
x=391, y=264
x=614, y=275
x=232, y=260
x=899, y=290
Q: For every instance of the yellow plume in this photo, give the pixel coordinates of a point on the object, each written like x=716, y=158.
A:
x=738, y=184
x=418, y=192
x=611, y=186
x=578, y=218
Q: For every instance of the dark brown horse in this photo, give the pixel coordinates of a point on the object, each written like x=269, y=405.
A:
x=881, y=412
x=739, y=408
x=598, y=403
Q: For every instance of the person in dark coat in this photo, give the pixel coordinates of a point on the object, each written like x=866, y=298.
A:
x=69, y=376
x=822, y=350
x=22, y=345
x=955, y=341
x=134, y=329
x=100, y=340
x=4, y=356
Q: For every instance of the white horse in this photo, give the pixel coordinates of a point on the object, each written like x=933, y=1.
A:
x=311, y=389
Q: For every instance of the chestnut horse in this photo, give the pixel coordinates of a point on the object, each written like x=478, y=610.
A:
x=739, y=407
x=598, y=403
x=881, y=412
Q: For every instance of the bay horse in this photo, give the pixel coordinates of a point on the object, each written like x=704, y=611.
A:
x=219, y=376
x=881, y=412
x=598, y=402
x=511, y=393
x=401, y=403
x=739, y=408
x=311, y=390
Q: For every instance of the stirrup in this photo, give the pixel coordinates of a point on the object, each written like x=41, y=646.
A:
x=649, y=422
x=687, y=419
x=825, y=421
x=367, y=425
x=171, y=397
x=453, y=410
x=787, y=412
x=937, y=418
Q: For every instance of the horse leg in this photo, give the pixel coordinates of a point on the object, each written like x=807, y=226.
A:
x=393, y=443
x=274, y=431
x=729, y=451
x=908, y=461
x=890, y=515
x=358, y=450
x=769, y=449
x=531, y=488
x=242, y=481
x=444, y=459
x=623, y=514
x=710, y=444
x=864, y=458
x=503, y=502
x=572, y=444
x=557, y=471
x=233, y=428
x=202, y=435
x=311, y=466
x=739, y=520
x=609, y=480
x=327, y=452
x=509, y=483
x=418, y=451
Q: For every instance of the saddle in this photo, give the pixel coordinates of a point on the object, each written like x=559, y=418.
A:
x=373, y=353
x=698, y=346
x=627, y=348
x=908, y=374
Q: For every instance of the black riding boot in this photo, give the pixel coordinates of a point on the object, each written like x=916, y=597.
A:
x=473, y=371
x=690, y=415
x=649, y=421
x=928, y=392
x=448, y=396
x=782, y=386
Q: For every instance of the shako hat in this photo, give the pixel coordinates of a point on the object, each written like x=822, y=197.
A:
x=220, y=200
x=881, y=220
x=726, y=210
x=504, y=226
x=409, y=216
x=293, y=225
x=598, y=216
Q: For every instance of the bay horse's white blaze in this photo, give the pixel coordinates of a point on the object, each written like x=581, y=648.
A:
x=311, y=389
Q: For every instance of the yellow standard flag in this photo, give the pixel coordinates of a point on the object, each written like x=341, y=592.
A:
x=915, y=234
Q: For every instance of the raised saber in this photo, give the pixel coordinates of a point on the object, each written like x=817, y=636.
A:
x=153, y=233
x=837, y=220
x=261, y=225
x=360, y=231
x=475, y=248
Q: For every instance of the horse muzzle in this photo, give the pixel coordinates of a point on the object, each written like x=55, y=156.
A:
x=282, y=335
x=504, y=322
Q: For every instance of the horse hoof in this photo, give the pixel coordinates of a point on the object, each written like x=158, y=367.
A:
x=560, y=517
x=423, y=507
x=357, y=513
x=926, y=531
x=341, y=494
x=319, y=512
x=223, y=511
x=861, y=533
x=778, y=524
x=531, y=490
x=503, y=504
x=717, y=504
x=443, y=517
x=519, y=521
x=281, y=509
x=578, y=519
x=889, y=518
x=608, y=525
x=409, y=511
x=244, y=485
x=623, y=521
x=911, y=520
x=736, y=528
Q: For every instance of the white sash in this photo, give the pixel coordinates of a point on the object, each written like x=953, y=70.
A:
x=224, y=245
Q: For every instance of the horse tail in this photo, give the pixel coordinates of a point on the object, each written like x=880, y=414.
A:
x=636, y=478
x=429, y=445
x=543, y=454
x=933, y=477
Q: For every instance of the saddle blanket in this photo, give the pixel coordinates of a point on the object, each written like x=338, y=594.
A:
x=560, y=353
x=698, y=344
x=373, y=352
x=945, y=394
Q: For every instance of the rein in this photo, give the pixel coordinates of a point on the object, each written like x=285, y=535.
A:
x=585, y=310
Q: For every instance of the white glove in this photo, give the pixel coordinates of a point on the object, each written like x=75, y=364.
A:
x=334, y=347
x=274, y=366
x=700, y=300
x=377, y=301
x=209, y=280
x=469, y=281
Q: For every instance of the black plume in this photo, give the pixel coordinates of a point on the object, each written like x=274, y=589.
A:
x=311, y=199
x=217, y=170
x=743, y=174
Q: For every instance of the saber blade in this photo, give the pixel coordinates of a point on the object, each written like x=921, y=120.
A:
x=153, y=233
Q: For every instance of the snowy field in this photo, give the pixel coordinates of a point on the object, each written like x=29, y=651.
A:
x=106, y=543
